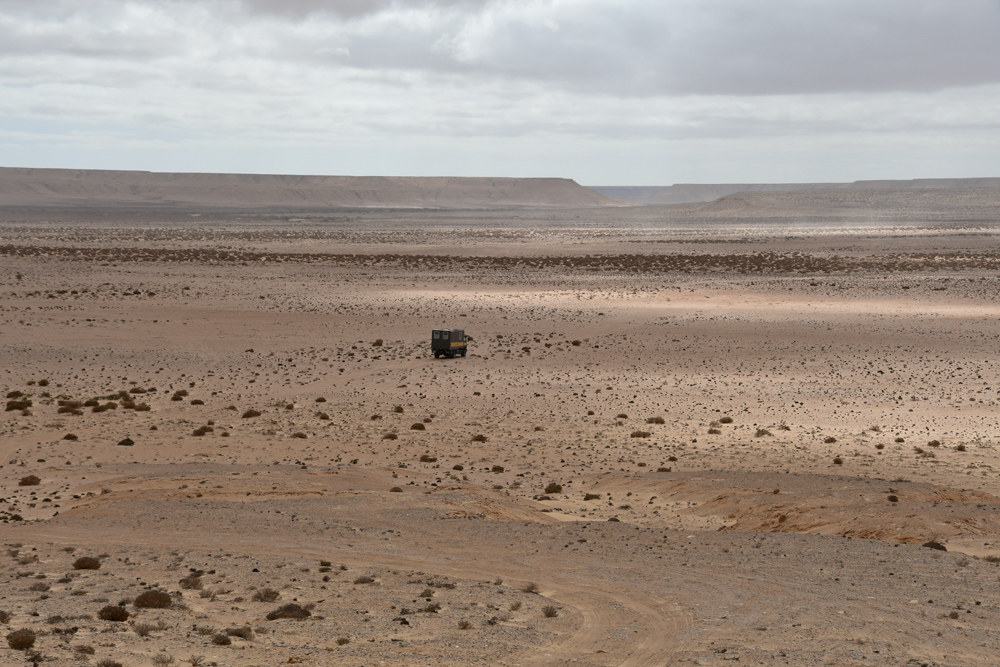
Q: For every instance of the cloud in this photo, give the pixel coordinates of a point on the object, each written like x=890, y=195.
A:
x=481, y=72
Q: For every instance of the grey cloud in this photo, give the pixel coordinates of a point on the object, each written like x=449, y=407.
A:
x=639, y=48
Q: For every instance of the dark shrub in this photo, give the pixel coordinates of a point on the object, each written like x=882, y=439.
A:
x=86, y=563
x=552, y=487
x=153, y=600
x=113, y=612
x=21, y=640
x=30, y=480
x=293, y=611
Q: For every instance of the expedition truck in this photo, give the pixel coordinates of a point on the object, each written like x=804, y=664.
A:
x=449, y=343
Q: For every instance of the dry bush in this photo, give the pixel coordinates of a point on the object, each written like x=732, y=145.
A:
x=4, y=617
x=144, y=629
x=114, y=613
x=880, y=446
x=21, y=640
x=84, y=649
x=390, y=436
x=960, y=448
x=426, y=593
x=13, y=406
x=221, y=640
x=191, y=583
x=364, y=579
x=162, y=660
x=431, y=608
x=320, y=399
x=426, y=458
x=899, y=440
x=497, y=469
x=343, y=641
x=762, y=432
x=838, y=461
x=934, y=443
x=458, y=466
x=300, y=435
x=464, y=625
x=829, y=440
x=655, y=420
x=243, y=632
x=108, y=662
x=515, y=605
x=479, y=438
x=726, y=420
x=553, y=487
x=591, y=496
x=549, y=611
x=323, y=416
x=640, y=434
x=250, y=413
x=153, y=600
x=30, y=480
x=291, y=610
x=265, y=595
x=621, y=415
x=86, y=563
x=142, y=407
x=418, y=426
x=398, y=409
x=663, y=469
x=71, y=437
x=202, y=430
x=893, y=498
x=39, y=587
x=377, y=343
x=714, y=431
x=530, y=587
x=395, y=489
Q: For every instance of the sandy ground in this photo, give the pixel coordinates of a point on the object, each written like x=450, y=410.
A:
x=671, y=443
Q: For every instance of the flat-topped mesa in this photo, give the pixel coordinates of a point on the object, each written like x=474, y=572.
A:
x=70, y=187
x=690, y=193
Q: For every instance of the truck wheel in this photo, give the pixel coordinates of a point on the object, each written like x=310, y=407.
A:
x=463, y=354
x=437, y=355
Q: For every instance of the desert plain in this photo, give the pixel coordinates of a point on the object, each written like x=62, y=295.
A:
x=760, y=430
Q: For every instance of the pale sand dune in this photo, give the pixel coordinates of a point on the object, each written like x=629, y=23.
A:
x=66, y=187
x=700, y=439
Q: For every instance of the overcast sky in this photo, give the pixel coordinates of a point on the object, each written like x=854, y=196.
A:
x=627, y=92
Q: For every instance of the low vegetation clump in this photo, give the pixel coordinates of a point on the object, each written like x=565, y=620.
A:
x=292, y=611
x=418, y=426
x=655, y=420
x=192, y=583
x=714, y=431
x=591, y=496
x=114, y=613
x=549, y=611
x=479, y=438
x=364, y=579
x=86, y=563
x=762, y=432
x=153, y=600
x=265, y=595
x=726, y=420
x=395, y=489
x=530, y=587
x=426, y=458
x=553, y=487
x=30, y=480
x=251, y=413
x=243, y=632
x=838, y=461
x=640, y=434
x=390, y=436
x=221, y=640
x=21, y=640
x=829, y=440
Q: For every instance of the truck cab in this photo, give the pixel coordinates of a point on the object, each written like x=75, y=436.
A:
x=448, y=343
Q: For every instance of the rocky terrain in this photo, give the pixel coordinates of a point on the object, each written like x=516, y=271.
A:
x=679, y=437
